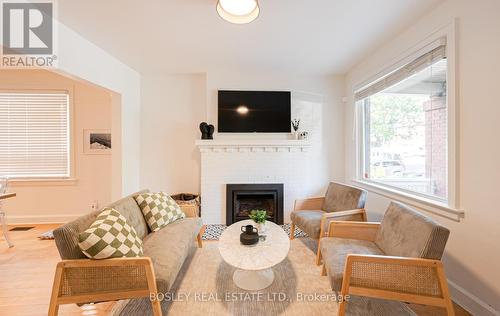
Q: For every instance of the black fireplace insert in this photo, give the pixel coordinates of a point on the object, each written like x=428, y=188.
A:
x=241, y=199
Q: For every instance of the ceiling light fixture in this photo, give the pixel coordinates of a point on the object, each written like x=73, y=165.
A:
x=238, y=11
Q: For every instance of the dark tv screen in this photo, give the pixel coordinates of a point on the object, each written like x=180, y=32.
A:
x=254, y=111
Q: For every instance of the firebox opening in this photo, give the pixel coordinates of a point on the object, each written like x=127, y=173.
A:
x=245, y=203
x=243, y=198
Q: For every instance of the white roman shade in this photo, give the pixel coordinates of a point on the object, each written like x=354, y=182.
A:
x=34, y=135
x=420, y=63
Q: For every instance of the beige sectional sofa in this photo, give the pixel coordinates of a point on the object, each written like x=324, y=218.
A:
x=167, y=249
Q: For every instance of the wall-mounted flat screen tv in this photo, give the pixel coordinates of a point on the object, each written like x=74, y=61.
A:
x=254, y=111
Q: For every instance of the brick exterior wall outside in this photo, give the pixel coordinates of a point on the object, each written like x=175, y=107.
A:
x=436, y=144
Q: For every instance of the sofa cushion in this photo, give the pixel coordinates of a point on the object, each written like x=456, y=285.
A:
x=66, y=236
x=334, y=252
x=159, y=209
x=110, y=236
x=341, y=197
x=308, y=220
x=405, y=232
x=128, y=207
x=169, y=247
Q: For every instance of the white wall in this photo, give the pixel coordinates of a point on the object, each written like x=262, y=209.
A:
x=61, y=201
x=174, y=105
x=327, y=156
x=473, y=250
x=172, y=108
x=80, y=58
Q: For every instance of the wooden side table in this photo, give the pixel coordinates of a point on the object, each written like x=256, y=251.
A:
x=3, y=221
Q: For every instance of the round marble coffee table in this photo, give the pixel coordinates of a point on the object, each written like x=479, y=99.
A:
x=254, y=263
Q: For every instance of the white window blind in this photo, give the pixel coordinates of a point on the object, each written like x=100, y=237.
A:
x=34, y=135
x=404, y=72
x=403, y=135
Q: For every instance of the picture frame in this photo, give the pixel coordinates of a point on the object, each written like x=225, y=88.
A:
x=97, y=141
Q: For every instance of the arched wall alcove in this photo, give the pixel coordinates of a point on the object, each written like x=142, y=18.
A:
x=95, y=176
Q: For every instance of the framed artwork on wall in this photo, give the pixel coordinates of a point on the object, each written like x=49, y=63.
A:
x=97, y=141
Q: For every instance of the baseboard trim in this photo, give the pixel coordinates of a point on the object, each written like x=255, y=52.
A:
x=470, y=302
x=40, y=219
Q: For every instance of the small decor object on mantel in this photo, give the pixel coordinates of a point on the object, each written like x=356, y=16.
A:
x=304, y=135
x=207, y=130
x=259, y=217
x=295, y=126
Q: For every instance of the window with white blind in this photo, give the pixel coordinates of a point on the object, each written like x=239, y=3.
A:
x=404, y=127
x=34, y=135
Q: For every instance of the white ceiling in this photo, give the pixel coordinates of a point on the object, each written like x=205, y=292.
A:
x=184, y=36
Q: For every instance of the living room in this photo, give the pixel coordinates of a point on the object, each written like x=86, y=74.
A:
x=240, y=157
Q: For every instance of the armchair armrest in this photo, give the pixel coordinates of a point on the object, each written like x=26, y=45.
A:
x=315, y=203
x=86, y=281
x=353, y=230
x=338, y=215
x=415, y=280
x=190, y=210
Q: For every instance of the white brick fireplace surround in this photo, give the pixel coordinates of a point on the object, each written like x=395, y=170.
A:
x=252, y=161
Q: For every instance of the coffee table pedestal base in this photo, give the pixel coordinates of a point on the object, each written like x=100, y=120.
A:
x=253, y=280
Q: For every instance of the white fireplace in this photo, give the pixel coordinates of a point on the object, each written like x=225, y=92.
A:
x=252, y=161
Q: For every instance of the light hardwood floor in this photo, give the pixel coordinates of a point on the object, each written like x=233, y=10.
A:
x=27, y=271
x=26, y=275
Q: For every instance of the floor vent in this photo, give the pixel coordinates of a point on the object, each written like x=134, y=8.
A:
x=21, y=228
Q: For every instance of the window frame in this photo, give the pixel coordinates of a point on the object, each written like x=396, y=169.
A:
x=70, y=179
x=449, y=207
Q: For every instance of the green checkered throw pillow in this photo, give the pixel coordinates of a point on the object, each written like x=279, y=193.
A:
x=159, y=209
x=110, y=236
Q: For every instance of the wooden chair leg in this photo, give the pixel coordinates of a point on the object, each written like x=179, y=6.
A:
x=318, y=255
x=155, y=303
x=5, y=228
x=323, y=270
x=321, y=234
x=292, y=231
x=56, y=287
x=342, y=307
x=346, y=280
x=450, y=311
x=200, y=235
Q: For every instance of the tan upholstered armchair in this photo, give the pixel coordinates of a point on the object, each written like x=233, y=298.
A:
x=341, y=202
x=380, y=265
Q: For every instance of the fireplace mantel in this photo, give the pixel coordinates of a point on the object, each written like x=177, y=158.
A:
x=252, y=161
x=253, y=145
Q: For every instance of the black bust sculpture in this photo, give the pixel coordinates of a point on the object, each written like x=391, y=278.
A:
x=207, y=130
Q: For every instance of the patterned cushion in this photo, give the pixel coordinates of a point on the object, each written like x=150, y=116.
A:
x=159, y=209
x=110, y=236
